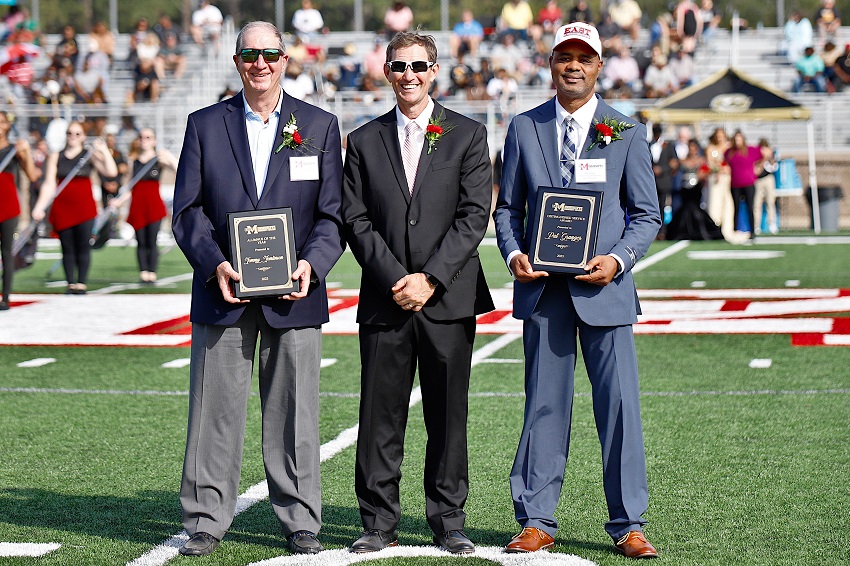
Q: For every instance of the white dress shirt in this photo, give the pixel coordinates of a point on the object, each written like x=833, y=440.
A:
x=261, y=136
x=421, y=121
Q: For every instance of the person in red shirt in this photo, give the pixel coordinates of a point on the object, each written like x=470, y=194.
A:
x=74, y=210
x=10, y=206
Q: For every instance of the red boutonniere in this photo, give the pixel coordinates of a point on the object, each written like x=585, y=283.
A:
x=607, y=131
x=437, y=127
x=292, y=138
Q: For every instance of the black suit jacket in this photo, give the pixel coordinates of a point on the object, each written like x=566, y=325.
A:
x=436, y=231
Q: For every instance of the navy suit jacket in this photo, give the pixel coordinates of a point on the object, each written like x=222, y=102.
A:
x=629, y=218
x=437, y=231
x=215, y=176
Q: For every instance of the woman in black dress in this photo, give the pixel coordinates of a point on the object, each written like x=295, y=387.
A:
x=691, y=222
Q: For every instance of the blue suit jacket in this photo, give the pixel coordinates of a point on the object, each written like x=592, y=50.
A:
x=530, y=161
x=215, y=177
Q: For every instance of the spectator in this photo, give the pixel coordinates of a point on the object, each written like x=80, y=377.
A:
x=477, y=89
x=743, y=161
x=610, y=34
x=9, y=23
x=683, y=67
x=502, y=87
x=515, y=19
x=398, y=17
x=101, y=40
x=719, y=203
x=660, y=33
x=659, y=81
x=67, y=47
x=842, y=69
x=688, y=27
x=307, y=21
x=622, y=69
x=137, y=37
x=349, y=69
x=810, y=70
x=165, y=27
x=88, y=84
x=296, y=82
x=507, y=55
x=466, y=35
x=581, y=12
x=485, y=69
x=665, y=164
x=110, y=185
x=171, y=57
x=710, y=20
x=374, y=63
x=830, y=55
x=550, y=17
x=206, y=24
x=460, y=76
x=798, y=35
x=626, y=14
x=828, y=20
x=148, y=48
x=690, y=221
x=146, y=85
x=765, y=194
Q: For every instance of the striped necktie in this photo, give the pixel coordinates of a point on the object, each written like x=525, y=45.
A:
x=568, y=152
x=408, y=154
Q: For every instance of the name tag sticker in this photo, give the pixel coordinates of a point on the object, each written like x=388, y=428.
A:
x=590, y=171
x=304, y=168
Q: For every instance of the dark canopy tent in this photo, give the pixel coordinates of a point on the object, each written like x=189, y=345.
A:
x=731, y=96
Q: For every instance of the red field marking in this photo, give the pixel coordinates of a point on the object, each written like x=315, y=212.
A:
x=179, y=325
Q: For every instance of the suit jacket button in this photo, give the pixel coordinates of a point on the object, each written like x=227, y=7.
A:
x=412, y=222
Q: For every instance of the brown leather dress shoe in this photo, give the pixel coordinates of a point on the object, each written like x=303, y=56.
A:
x=634, y=545
x=530, y=540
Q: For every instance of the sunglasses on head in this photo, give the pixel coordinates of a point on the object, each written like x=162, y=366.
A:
x=251, y=55
x=415, y=66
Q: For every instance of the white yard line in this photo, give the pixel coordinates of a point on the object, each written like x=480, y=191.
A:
x=663, y=254
x=167, y=550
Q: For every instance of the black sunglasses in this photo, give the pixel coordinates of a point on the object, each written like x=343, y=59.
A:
x=415, y=66
x=251, y=55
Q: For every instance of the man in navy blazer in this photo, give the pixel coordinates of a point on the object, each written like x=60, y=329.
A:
x=556, y=144
x=235, y=158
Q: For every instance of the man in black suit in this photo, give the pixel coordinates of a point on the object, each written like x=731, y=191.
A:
x=416, y=195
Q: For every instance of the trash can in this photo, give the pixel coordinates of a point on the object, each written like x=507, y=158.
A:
x=828, y=207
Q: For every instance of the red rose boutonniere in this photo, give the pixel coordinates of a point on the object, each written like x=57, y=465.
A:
x=607, y=131
x=437, y=127
x=292, y=138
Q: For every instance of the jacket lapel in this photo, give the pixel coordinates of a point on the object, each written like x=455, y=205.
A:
x=547, y=136
x=279, y=162
x=389, y=135
x=237, y=133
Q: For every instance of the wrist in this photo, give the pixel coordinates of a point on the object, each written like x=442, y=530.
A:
x=433, y=282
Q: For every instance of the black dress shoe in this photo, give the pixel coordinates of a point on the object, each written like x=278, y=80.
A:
x=304, y=542
x=373, y=540
x=199, y=544
x=455, y=542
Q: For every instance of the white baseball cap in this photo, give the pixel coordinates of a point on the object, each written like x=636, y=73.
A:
x=581, y=32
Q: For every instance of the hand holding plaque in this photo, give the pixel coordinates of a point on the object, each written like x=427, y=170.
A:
x=563, y=229
x=262, y=248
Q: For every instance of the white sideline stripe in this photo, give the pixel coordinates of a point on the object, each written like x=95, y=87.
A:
x=342, y=557
x=178, y=363
x=164, y=282
x=30, y=549
x=744, y=393
x=327, y=362
x=761, y=363
x=735, y=254
x=167, y=550
x=36, y=362
x=502, y=361
x=663, y=254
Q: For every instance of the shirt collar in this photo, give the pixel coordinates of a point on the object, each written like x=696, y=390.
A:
x=251, y=115
x=583, y=116
x=421, y=120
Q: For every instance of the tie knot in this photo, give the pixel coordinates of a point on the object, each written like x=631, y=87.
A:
x=411, y=128
x=569, y=122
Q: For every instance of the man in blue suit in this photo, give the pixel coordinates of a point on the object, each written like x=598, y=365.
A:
x=236, y=157
x=556, y=144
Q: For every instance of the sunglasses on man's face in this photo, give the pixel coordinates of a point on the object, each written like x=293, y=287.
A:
x=251, y=55
x=415, y=66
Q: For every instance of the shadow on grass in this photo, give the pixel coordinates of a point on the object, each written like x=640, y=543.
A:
x=147, y=517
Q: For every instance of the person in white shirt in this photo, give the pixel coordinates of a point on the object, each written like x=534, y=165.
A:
x=206, y=24
x=307, y=21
